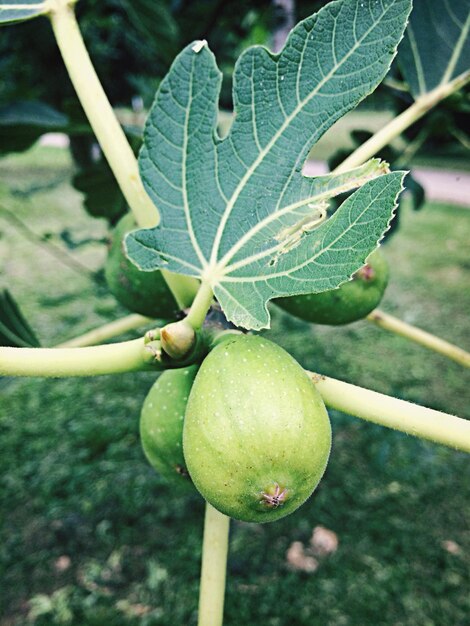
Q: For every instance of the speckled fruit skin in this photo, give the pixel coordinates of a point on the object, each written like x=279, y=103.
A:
x=142, y=292
x=350, y=302
x=161, y=424
x=256, y=434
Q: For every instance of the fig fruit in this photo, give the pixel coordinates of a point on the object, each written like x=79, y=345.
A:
x=142, y=292
x=161, y=424
x=350, y=302
x=256, y=434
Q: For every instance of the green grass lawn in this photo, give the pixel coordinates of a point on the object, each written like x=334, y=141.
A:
x=91, y=536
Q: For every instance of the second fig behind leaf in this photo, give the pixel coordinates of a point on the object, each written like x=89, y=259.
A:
x=352, y=301
x=142, y=292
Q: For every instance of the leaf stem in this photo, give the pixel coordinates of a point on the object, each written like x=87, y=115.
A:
x=107, y=331
x=200, y=306
x=127, y=356
x=213, y=568
x=109, y=133
x=423, y=338
x=400, y=123
x=406, y=417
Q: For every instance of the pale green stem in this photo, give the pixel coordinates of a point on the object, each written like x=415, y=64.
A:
x=183, y=288
x=109, y=133
x=100, y=114
x=400, y=123
x=127, y=356
x=394, y=413
x=213, y=568
x=133, y=355
x=200, y=306
x=423, y=338
x=107, y=331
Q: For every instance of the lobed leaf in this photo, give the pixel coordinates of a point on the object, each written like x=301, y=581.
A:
x=237, y=212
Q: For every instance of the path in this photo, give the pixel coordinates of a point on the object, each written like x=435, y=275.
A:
x=439, y=185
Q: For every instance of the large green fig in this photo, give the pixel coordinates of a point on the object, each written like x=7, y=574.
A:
x=350, y=302
x=161, y=424
x=143, y=292
x=256, y=434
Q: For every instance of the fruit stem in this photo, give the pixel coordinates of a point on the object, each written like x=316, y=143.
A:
x=127, y=356
x=213, y=567
x=107, y=331
x=109, y=133
x=394, y=413
x=200, y=306
x=423, y=338
x=395, y=127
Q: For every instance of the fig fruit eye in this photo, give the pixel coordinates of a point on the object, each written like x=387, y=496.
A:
x=350, y=302
x=161, y=424
x=142, y=292
x=256, y=434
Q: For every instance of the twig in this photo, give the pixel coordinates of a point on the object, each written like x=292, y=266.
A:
x=423, y=338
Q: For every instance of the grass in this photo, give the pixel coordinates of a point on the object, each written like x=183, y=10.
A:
x=92, y=536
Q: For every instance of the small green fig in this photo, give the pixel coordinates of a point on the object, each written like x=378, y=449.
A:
x=143, y=292
x=256, y=435
x=161, y=424
x=350, y=302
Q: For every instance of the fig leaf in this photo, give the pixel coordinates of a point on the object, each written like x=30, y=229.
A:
x=237, y=211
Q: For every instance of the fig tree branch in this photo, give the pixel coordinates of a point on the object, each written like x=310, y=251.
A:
x=109, y=133
x=135, y=356
x=213, y=567
x=127, y=356
x=400, y=123
x=423, y=338
x=107, y=331
x=407, y=417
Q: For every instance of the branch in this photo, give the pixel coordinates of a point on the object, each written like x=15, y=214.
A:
x=423, y=338
x=394, y=413
x=400, y=123
x=107, y=331
x=213, y=568
x=109, y=133
x=127, y=356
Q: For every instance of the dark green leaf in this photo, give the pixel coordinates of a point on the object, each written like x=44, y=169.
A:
x=14, y=329
x=22, y=123
x=436, y=46
x=102, y=196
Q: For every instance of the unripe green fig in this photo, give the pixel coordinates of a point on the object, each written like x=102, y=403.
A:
x=350, y=302
x=143, y=292
x=161, y=424
x=256, y=435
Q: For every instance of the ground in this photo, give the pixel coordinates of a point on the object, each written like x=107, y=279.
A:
x=92, y=536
